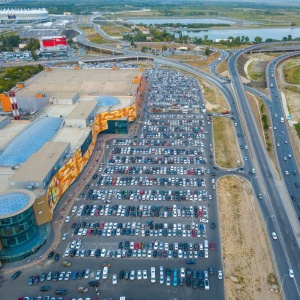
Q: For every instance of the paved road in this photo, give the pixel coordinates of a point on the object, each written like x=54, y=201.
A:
x=285, y=249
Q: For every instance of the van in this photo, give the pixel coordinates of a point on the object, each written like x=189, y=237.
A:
x=205, y=244
x=105, y=273
x=153, y=278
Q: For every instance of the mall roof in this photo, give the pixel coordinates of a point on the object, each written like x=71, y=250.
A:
x=29, y=141
x=38, y=166
x=83, y=109
x=107, y=101
x=15, y=202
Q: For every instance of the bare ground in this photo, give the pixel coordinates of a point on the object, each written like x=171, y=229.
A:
x=226, y=150
x=248, y=267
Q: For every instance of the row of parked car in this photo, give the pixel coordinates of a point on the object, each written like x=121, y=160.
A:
x=146, y=211
x=152, y=170
x=148, y=194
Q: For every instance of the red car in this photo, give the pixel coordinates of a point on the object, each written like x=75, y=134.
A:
x=212, y=246
x=136, y=245
x=194, y=233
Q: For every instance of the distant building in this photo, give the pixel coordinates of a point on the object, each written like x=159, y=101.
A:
x=143, y=29
x=23, y=15
x=220, y=40
x=53, y=45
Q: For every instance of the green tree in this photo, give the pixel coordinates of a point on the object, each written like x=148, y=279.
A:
x=257, y=39
x=207, y=51
x=164, y=48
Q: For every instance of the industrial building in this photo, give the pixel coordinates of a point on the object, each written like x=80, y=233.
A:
x=82, y=114
x=23, y=15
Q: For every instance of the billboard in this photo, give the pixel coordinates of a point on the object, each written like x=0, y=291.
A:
x=54, y=42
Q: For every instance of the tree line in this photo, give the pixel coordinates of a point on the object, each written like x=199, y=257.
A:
x=10, y=76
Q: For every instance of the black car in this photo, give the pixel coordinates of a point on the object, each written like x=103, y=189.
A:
x=16, y=275
x=188, y=272
x=188, y=282
x=121, y=275
x=127, y=273
x=30, y=280
x=195, y=283
x=201, y=284
x=98, y=253
x=191, y=261
x=60, y=292
x=50, y=255
x=45, y=288
x=55, y=276
x=213, y=225
x=93, y=283
x=81, y=274
x=56, y=258
x=211, y=270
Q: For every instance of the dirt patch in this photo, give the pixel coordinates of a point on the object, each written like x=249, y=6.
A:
x=222, y=68
x=248, y=267
x=213, y=99
x=226, y=150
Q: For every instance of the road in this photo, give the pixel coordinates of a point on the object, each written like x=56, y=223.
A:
x=273, y=206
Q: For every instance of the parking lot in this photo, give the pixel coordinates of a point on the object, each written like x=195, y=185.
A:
x=152, y=204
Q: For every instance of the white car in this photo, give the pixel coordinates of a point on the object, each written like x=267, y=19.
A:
x=291, y=273
x=182, y=272
x=168, y=281
x=64, y=236
x=203, y=220
x=139, y=275
x=114, y=279
x=220, y=274
x=98, y=275
x=74, y=209
x=87, y=273
x=68, y=219
x=274, y=235
x=145, y=274
x=287, y=173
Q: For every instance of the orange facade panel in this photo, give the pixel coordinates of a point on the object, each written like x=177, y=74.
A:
x=5, y=103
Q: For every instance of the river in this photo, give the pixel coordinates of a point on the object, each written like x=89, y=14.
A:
x=264, y=33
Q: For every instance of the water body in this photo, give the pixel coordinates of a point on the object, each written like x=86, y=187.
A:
x=182, y=21
x=264, y=33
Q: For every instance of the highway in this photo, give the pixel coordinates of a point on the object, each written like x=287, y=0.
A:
x=277, y=213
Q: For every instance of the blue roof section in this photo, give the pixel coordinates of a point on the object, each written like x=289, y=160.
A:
x=12, y=202
x=32, y=138
x=107, y=101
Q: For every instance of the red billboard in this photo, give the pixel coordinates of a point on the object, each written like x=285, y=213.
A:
x=54, y=41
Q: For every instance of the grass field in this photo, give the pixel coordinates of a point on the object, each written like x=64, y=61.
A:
x=291, y=71
x=97, y=39
x=115, y=30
